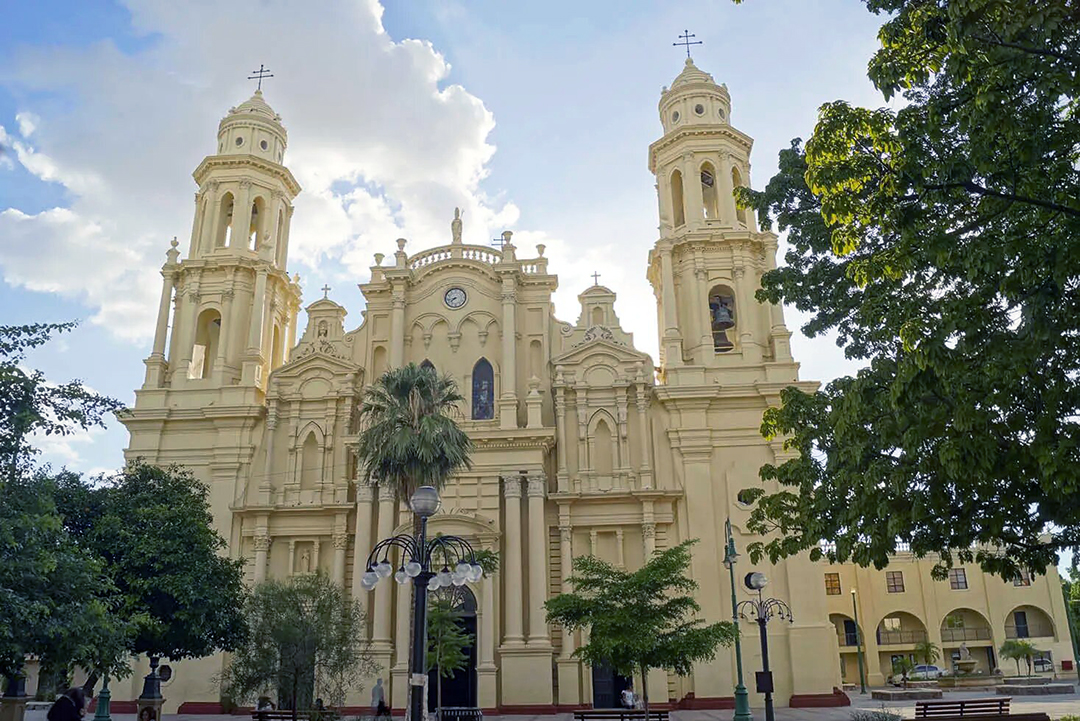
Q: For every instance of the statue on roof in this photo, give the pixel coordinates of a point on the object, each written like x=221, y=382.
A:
x=455, y=226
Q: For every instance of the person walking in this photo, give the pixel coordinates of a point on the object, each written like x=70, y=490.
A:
x=378, y=700
x=69, y=707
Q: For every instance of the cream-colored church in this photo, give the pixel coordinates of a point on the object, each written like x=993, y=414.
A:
x=585, y=444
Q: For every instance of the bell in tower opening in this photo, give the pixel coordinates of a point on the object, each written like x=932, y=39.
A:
x=721, y=313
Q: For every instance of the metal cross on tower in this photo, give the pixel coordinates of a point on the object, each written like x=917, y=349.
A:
x=595, y=278
x=685, y=38
x=325, y=291
x=260, y=74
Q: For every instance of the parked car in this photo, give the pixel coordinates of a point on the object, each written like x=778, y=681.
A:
x=1043, y=665
x=925, y=672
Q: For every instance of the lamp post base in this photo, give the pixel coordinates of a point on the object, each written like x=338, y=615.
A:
x=742, y=704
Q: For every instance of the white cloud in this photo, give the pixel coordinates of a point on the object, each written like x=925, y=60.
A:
x=382, y=145
x=27, y=123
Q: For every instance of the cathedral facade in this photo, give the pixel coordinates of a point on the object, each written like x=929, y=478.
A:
x=584, y=444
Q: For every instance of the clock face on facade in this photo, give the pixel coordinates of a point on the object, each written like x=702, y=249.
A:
x=455, y=297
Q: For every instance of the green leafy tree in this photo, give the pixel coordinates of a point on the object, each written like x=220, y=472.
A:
x=409, y=436
x=54, y=604
x=939, y=243
x=639, y=620
x=307, y=639
x=927, y=652
x=448, y=643
x=153, y=530
x=902, y=667
x=1019, y=650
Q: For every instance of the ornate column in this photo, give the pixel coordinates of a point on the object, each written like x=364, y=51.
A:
x=224, y=334
x=262, y=548
x=162, y=327
x=745, y=316
x=620, y=555
x=624, y=450
x=486, y=672
x=584, y=476
x=508, y=369
x=566, y=569
x=693, y=197
x=645, y=471
x=781, y=336
x=292, y=556
x=253, y=361
x=186, y=334
x=397, y=326
x=341, y=542
x=702, y=318
x=538, y=556
x=511, y=566
x=241, y=217
x=362, y=541
x=568, y=668
x=672, y=341
x=562, y=479
x=266, y=486
x=381, y=635
x=728, y=212
x=205, y=241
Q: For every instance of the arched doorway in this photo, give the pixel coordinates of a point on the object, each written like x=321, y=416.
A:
x=607, y=687
x=459, y=690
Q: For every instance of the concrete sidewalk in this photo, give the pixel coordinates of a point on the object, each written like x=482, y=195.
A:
x=1055, y=706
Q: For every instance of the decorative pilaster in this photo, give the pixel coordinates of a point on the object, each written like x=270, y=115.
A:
x=397, y=323
x=252, y=367
x=645, y=471
x=341, y=543
x=744, y=286
x=381, y=635
x=512, y=561
x=538, y=573
x=292, y=556
x=362, y=541
x=672, y=341
x=728, y=212
x=508, y=368
x=562, y=477
x=225, y=334
x=566, y=567
x=262, y=549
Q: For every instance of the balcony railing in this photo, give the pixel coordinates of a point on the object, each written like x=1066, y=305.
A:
x=965, y=634
x=894, y=638
x=1031, y=630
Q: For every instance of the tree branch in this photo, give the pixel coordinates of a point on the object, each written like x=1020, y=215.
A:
x=977, y=189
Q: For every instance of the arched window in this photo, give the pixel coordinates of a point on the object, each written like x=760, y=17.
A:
x=428, y=365
x=721, y=317
x=602, y=460
x=483, y=391
x=276, y=348
x=677, y=207
x=378, y=361
x=256, y=224
x=310, y=463
x=223, y=233
x=207, y=337
x=708, y=191
x=736, y=182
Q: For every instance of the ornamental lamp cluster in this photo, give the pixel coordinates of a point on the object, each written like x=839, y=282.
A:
x=421, y=553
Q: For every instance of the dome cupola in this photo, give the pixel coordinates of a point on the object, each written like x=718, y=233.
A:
x=253, y=128
x=694, y=98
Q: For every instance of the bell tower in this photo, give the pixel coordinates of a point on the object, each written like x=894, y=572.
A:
x=707, y=264
x=234, y=313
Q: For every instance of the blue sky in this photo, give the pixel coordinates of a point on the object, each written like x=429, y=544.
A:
x=531, y=116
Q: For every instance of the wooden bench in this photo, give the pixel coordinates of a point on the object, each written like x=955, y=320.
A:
x=279, y=715
x=620, y=714
x=980, y=708
x=966, y=707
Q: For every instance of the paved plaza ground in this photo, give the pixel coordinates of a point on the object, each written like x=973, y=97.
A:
x=1055, y=706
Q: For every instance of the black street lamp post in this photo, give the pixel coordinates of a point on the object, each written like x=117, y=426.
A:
x=417, y=557
x=761, y=610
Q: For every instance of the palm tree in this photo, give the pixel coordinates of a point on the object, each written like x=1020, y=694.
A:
x=409, y=436
x=927, y=652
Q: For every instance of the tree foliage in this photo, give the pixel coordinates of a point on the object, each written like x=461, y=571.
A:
x=409, y=436
x=1019, y=650
x=153, y=531
x=53, y=602
x=448, y=642
x=939, y=242
x=642, y=619
x=306, y=637
x=927, y=651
